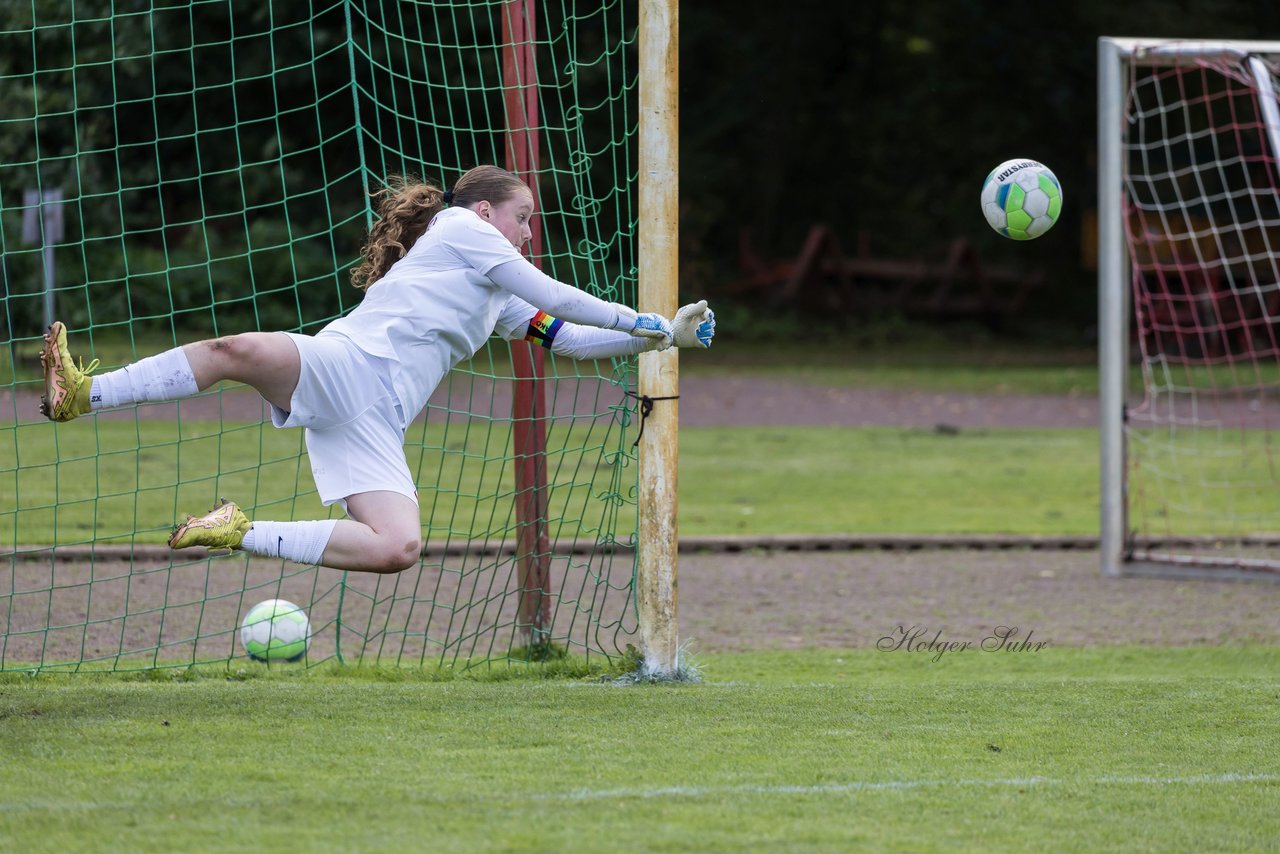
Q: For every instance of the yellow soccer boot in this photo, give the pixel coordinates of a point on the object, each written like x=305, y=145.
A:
x=223, y=527
x=66, y=385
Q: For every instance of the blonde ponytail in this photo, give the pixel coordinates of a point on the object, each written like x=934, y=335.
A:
x=406, y=207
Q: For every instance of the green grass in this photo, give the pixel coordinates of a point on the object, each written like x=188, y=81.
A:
x=1072, y=749
x=109, y=479
x=829, y=480
x=1077, y=750
x=925, y=362
x=117, y=481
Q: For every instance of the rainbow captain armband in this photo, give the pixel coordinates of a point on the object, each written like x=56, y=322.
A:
x=543, y=329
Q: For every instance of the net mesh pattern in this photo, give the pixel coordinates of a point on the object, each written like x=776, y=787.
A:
x=204, y=168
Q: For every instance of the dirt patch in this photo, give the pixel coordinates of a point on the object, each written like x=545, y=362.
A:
x=463, y=607
x=853, y=599
x=452, y=610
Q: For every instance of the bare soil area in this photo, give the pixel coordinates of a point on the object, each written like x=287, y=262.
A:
x=462, y=607
x=853, y=599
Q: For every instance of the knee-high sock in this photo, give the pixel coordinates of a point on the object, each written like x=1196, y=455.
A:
x=302, y=542
x=167, y=376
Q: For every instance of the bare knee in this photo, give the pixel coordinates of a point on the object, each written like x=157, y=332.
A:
x=232, y=354
x=398, y=554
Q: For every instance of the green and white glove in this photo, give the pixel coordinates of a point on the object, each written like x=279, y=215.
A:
x=694, y=326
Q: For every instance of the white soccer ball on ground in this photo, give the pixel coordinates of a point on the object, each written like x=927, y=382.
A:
x=1021, y=198
x=275, y=630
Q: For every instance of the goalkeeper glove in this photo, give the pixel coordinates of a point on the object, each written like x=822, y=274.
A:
x=644, y=326
x=653, y=326
x=694, y=326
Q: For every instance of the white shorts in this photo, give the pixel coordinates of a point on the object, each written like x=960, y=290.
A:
x=354, y=432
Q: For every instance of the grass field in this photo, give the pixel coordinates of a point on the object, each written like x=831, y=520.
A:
x=77, y=483
x=1073, y=750
x=74, y=484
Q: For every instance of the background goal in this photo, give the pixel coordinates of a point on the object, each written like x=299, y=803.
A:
x=204, y=168
x=1189, y=308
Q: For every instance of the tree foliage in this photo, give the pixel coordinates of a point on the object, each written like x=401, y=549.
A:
x=882, y=119
x=877, y=118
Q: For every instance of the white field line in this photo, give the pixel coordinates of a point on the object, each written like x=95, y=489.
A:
x=856, y=786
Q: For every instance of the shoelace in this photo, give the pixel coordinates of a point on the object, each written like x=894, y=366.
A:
x=84, y=372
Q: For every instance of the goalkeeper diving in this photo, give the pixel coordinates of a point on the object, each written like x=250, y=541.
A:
x=442, y=271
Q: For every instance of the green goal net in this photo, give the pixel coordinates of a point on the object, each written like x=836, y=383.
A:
x=176, y=169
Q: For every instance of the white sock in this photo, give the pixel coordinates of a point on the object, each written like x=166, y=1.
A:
x=167, y=376
x=301, y=542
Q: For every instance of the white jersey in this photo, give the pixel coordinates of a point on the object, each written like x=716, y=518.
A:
x=437, y=306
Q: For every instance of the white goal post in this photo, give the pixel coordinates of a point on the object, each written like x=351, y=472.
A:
x=1189, y=301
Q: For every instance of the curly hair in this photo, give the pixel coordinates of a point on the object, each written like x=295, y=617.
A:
x=406, y=206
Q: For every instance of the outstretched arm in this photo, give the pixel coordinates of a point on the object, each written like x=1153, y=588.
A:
x=587, y=342
x=559, y=300
x=696, y=329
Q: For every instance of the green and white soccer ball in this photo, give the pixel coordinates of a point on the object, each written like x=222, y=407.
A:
x=275, y=630
x=1021, y=199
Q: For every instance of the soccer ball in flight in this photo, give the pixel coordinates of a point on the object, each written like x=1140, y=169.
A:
x=275, y=630
x=1021, y=199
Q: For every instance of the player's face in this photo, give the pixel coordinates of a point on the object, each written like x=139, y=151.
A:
x=511, y=217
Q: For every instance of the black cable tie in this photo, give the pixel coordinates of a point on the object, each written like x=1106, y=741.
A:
x=646, y=407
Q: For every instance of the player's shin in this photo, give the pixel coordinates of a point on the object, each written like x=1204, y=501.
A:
x=167, y=376
x=301, y=542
